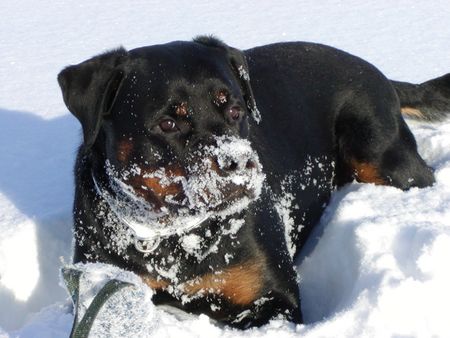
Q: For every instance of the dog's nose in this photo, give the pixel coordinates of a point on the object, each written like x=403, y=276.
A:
x=234, y=166
x=232, y=155
x=231, y=166
x=250, y=164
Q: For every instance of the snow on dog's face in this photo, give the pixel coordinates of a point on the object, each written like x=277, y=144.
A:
x=220, y=178
x=174, y=136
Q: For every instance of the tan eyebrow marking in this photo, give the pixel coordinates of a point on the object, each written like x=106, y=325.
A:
x=182, y=109
x=221, y=97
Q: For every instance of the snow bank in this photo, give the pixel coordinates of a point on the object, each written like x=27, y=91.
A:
x=375, y=266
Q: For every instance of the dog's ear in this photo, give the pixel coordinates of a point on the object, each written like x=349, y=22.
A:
x=239, y=66
x=89, y=90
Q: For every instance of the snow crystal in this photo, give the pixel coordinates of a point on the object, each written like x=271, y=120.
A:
x=283, y=206
x=256, y=114
x=285, y=201
x=190, y=243
x=243, y=73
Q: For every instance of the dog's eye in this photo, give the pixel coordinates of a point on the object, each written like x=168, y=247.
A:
x=221, y=97
x=168, y=126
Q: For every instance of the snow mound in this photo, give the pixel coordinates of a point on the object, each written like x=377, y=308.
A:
x=376, y=265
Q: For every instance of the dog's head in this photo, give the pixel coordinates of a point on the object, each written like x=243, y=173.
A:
x=170, y=122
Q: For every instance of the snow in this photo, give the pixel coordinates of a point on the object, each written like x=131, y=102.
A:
x=376, y=266
x=204, y=187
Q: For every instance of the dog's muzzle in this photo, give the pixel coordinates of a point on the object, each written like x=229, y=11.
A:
x=223, y=175
x=219, y=180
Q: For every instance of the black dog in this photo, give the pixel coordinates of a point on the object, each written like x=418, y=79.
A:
x=207, y=183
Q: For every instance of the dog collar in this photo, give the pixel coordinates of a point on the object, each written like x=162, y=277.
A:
x=148, y=236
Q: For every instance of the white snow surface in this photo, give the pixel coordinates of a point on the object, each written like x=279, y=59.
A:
x=376, y=265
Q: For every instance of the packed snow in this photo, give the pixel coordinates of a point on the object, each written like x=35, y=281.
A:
x=376, y=265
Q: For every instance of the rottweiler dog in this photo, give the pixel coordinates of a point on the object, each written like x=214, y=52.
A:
x=204, y=168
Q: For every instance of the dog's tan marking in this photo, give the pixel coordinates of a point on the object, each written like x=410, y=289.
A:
x=154, y=184
x=413, y=112
x=182, y=109
x=240, y=284
x=155, y=284
x=367, y=173
x=221, y=97
x=124, y=149
x=144, y=184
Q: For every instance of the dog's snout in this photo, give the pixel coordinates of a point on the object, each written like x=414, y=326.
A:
x=228, y=155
